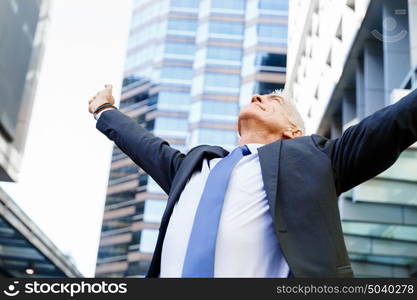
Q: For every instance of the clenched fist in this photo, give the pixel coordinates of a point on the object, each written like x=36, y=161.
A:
x=102, y=97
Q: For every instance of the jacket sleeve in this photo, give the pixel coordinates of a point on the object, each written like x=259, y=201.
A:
x=151, y=153
x=373, y=145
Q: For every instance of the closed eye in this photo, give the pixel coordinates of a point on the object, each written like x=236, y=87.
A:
x=277, y=98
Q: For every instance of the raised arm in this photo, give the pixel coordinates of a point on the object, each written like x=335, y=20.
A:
x=152, y=154
x=373, y=145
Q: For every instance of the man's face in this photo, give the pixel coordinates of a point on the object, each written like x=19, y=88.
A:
x=269, y=111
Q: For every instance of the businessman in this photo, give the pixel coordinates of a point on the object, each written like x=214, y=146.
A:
x=269, y=207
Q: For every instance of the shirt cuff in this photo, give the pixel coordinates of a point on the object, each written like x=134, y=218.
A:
x=97, y=116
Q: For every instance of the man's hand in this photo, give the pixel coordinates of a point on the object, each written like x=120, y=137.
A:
x=102, y=97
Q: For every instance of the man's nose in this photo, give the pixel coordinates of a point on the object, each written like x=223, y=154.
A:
x=256, y=98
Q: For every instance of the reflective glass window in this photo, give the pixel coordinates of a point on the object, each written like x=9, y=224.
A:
x=217, y=136
x=396, y=232
x=235, y=28
x=263, y=88
x=174, y=100
x=148, y=240
x=154, y=210
x=213, y=108
x=183, y=73
x=223, y=53
x=179, y=48
x=153, y=187
x=229, y=4
x=182, y=24
x=185, y=3
x=386, y=191
x=271, y=59
x=273, y=31
x=222, y=80
x=273, y=4
x=404, y=168
x=164, y=123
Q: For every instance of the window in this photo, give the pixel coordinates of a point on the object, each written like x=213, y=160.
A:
x=212, y=107
x=216, y=136
x=185, y=3
x=148, y=240
x=154, y=209
x=273, y=4
x=153, y=187
x=228, y=4
x=123, y=174
x=263, y=88
x=179, y=48
x=183, y=73
x=404, y=168
x=274, y=31
x=182, y=24
x=174, y=100
x=224, y=53
x=386, y=191
x=400, y=232
x=271, y=62
x=176, y=124
x=235, y=28
x=217, y=80
x=112, y=251
x=271, y=59
x=213, y=110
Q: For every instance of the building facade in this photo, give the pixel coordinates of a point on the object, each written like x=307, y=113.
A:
x=24, y=250
x=190, y=65
x=346, y=60
x=22, y=33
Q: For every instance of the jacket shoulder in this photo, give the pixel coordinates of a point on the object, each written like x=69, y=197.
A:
x=319, y=141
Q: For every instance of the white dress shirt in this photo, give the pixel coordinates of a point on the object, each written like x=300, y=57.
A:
x=247, y=245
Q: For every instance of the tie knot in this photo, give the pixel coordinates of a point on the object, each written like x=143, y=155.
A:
x=245, y=150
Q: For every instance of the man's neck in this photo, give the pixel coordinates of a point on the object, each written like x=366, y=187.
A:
x=258, y=138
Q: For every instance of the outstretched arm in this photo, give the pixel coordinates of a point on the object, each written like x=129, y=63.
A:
x=151, y=153
x=373, y=145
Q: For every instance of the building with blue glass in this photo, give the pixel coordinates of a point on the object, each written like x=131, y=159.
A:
x=190, y=65
x=346, y=60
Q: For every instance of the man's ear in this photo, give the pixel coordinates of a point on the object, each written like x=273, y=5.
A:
x=291, y=133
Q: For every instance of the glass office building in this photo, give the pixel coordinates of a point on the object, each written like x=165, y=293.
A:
x=22, y=36
x=190, y=65
x=24, y=250
x=348, y=59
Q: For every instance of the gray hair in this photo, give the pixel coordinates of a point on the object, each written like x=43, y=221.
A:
x=294, y=116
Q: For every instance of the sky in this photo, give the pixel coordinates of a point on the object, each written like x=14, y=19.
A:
x=63, y=178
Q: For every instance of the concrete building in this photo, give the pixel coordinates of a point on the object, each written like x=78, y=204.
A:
x=347, y=59
x=190, y=65
x=24, y=250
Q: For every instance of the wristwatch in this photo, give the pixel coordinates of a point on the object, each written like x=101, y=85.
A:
x=101, y=108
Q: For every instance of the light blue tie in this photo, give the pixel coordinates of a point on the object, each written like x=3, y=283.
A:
x=199, y=258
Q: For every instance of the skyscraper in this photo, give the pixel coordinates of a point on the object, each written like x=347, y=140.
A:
x=24, y=250
x=22, y=26
x=348, y=59
x=190, y=66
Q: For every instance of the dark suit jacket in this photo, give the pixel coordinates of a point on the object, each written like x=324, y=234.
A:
x=303, y=178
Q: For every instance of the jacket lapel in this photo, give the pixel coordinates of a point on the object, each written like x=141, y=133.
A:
x=269, y=157
x=192, y=162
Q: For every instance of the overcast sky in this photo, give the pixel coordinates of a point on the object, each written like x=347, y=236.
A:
x=64, y=173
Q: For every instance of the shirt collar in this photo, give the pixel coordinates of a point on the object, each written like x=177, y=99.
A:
x=254, y=147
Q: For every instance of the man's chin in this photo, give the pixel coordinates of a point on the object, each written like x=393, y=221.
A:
x=247, y=114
